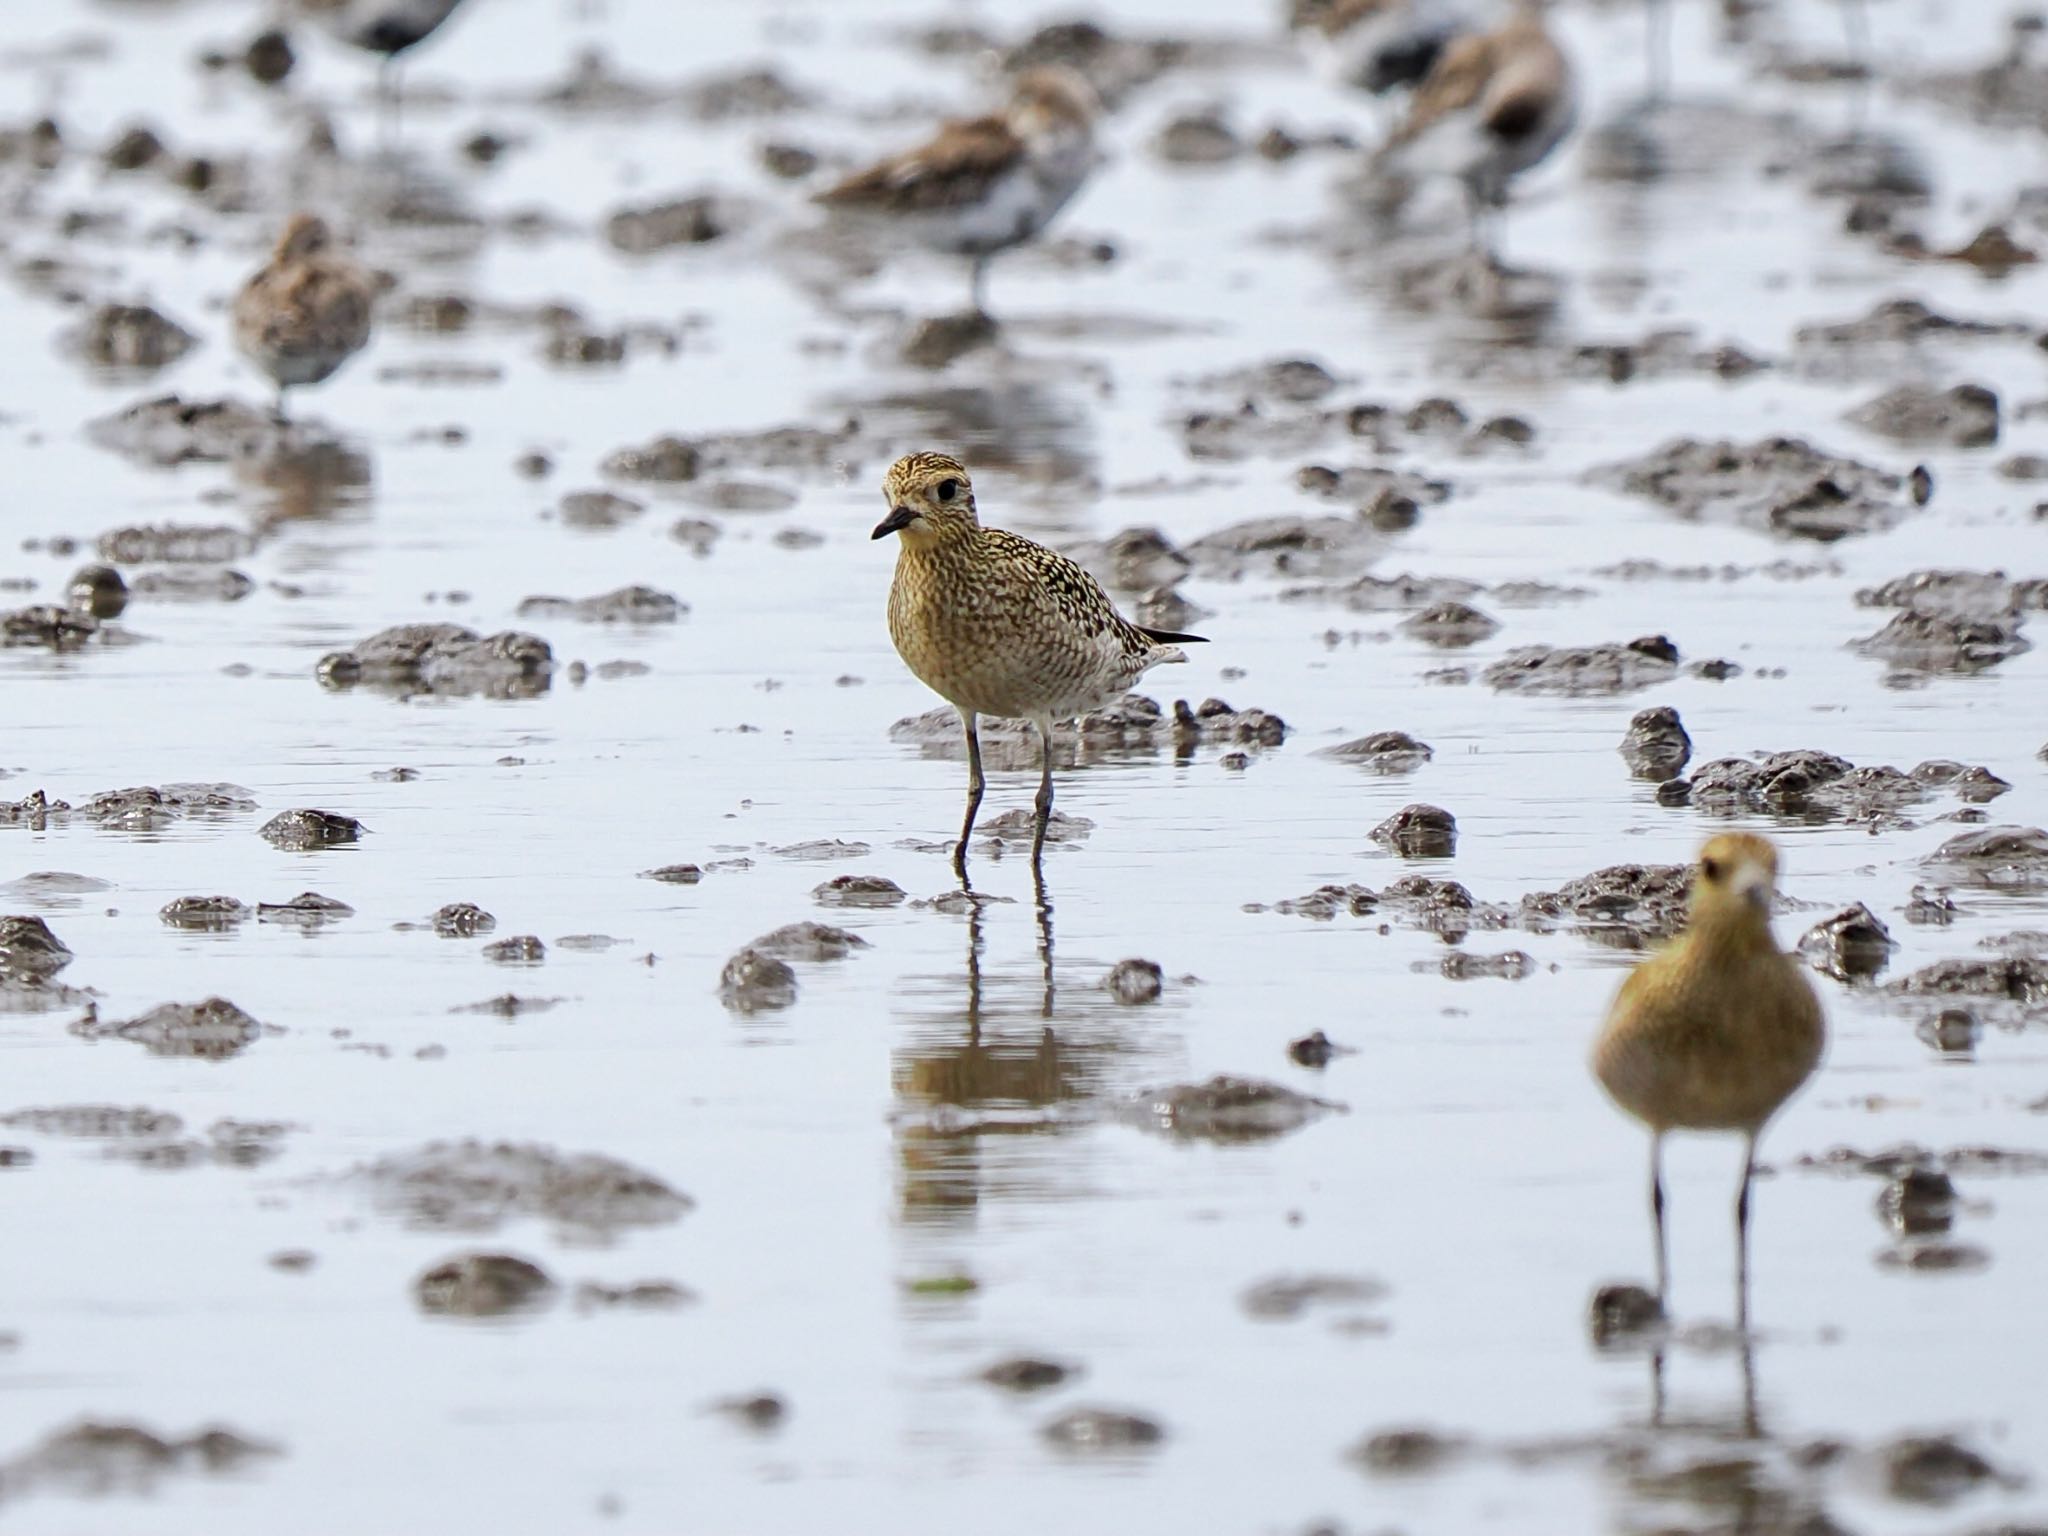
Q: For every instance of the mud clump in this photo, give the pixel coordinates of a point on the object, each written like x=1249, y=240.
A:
x=308, y=910
x=1656, y=747
x=1419, y=832
x=50, y=626
x=637, y=1295
x=598, y=510
x=1103, y=1430
x=474, y=1186
x=1851, y=945
x=1382, y=752
x=169, y=431
x=520, y=949
x=755, y=982
x=1406, y=1451
x=860, y=891
x=204, y=914
x=1777, y=485
x=93, y=1459
x=1649, y=900
x=130, y=338
x=1227, y=1109
x=1934, y=1469
x=628, y=605
x=1918, y=1202
x=1134, y=982
x=447, y=659
x=1921, y=640
x=665, y=461
x=212, y=1030
x=761, y=1412
x=685, y=221
x=1965, y=416
x=463, y=920
x=1999, y=858
x=1622, y=1314
x=300, y=830
x=1306, y=548
x=484, y=1285
x=1028, y=1373
x=174, y=544
x=29, y=949
x=1451, y=625
x=1314, y=1050
x=937, y=341
x=1135, y=724
x=1287, y=1297
x=99, y=590
x=1585, y=671
x=1511, y=965
x=815, y=943
x=2000, y=978
x=1215, y=723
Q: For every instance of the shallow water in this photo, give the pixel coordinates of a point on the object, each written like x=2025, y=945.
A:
x=910, y=1119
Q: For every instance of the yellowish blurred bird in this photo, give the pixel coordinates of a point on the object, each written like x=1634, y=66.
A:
x=1716, y=1031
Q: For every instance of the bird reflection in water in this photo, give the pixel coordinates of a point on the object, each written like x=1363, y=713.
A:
x=984, y=1071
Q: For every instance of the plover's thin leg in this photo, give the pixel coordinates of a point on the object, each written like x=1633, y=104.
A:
x=1657, y=39
x=277, y=405
x=1742, y=1234
x=1044, y=801
x=974, y=788
x=1657, y=1212
x=977, y=284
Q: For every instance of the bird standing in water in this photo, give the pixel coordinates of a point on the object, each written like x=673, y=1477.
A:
x=998, y=625
x=988, y=183
x=1493, y=105
x=1716, y=1031
x=306, y=311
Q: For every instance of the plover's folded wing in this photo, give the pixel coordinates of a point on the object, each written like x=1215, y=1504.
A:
x=956, y=168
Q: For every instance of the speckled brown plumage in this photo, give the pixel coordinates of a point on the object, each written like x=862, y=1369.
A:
x=306, y=311
x=996, y=624
x=1716, y=1031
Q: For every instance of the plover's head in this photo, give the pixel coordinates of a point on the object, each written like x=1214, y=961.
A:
x=930, y=500
x=305, y=234
x=1738, y=872
x=1052, y=102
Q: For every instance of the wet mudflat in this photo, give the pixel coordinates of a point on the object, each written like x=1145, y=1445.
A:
x=492, y=1033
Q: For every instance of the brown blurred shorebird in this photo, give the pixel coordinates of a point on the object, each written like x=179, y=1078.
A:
x=984, y=184
x=306, y=311
x=1493, y=105
x=997, y=625
x=1716, y=1031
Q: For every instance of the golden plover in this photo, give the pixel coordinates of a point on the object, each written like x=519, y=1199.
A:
x=1716, y=1031
x=306, y=311
x=985, y=184
x=997, y=625
x=1493, y=105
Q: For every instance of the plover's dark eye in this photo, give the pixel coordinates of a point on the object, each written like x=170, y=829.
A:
x=946, y=490
x=1711, y=868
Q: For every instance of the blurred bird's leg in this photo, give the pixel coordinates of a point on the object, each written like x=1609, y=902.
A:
x=1657, y=43
x=1044, y=801
x=977, y=285
x=1657, y=1213
x=1742, y=1235
x=975, y=783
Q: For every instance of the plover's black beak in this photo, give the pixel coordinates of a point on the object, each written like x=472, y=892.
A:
x=899, y=518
